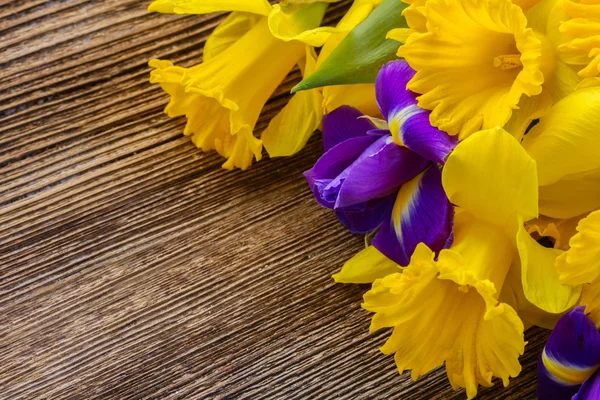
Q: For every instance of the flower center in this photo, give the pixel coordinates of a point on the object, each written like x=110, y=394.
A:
x=508, y=61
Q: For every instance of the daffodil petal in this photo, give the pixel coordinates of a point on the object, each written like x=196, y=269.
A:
x=582, y=32
x=365, y=267
x=359, y=96
x=222, y=98
x=590, y=298
x=300, y=22
x=541, y=285
x=530, y=108
x=261, y=7
x=291, y=128
x=581, y=263
x=343, y=123
x=561, y=230
x=490, y=175
x=512, y=294
x=233, y=27
x=400, y=34
x=571, y=196
x=564, y=142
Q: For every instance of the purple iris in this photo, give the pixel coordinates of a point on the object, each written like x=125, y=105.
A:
x=386, y=174
x=569, y=366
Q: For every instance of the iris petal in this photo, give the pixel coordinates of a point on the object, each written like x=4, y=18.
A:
x=365, y=217
x=378, y=172
x=343, y=123
x=390, y=87
x=418, y=135
x=408, y=123
x=421, y=213
x=571, y=355
x=333, y=163
x=590, y=388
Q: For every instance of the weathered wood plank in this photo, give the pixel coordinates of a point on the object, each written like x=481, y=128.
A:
x=132, y=266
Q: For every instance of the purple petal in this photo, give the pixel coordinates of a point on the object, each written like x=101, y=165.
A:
x=590, y=390
x=378, y=172
x=409, y=124
x=416, y=133
x=574, y=345
x=390, y=87
x=367, y=217
x=421, y=213
x=331, y=164
x=343, y=123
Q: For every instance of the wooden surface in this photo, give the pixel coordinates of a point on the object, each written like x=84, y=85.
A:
x=133, y=266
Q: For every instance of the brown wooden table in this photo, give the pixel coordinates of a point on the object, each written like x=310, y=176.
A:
x=133, y=266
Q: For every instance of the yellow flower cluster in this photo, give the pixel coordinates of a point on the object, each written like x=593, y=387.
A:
x=245, y=58
x=516, y=82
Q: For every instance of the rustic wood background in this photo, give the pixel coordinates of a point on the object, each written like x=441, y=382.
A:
x=133, y=266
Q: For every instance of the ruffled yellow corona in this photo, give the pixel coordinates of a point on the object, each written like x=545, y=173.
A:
x=474, y=59
x=222, y=98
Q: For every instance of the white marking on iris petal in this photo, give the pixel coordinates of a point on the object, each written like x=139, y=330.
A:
x=397, y=120
x=405, y=206
x=566, y=373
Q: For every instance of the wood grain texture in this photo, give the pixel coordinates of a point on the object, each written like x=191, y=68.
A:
x=132, y=266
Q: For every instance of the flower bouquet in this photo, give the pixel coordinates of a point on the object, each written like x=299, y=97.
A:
x=461, y=137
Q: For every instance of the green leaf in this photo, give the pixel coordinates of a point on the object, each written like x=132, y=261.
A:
x=360, y=55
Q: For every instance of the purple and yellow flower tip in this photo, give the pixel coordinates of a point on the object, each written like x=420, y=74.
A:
x=386, y=173
x=567, y=368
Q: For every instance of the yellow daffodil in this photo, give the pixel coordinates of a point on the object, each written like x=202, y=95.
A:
x=581, y=30
x=449, y=310
x=245, y=59
x=473, y=68
x=566, y=148
x=487, y=63
x=222, y=98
